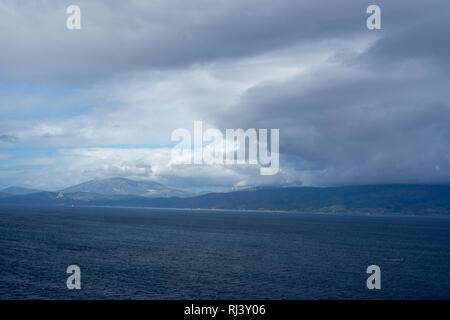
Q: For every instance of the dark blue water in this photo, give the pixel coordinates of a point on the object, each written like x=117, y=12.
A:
x=176, y=254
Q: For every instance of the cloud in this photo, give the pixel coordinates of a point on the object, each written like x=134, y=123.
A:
x=8, y=138
x=119, y=37
x=350, y=125
x=155, y=164
x=422, y=45
x=353, y=106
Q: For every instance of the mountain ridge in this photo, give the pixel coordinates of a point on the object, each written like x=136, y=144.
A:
x=371, y=199
x=109, y=186
x=123, y=186
x=14, y=190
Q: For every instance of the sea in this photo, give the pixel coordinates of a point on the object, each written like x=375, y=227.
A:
x=143, y=253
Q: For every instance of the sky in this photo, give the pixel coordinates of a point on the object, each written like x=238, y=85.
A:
x=353, y=105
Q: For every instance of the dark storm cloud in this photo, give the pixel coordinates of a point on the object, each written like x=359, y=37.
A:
x=424, y=42
x=380, y=116
x=364, y=128
x=122, y=36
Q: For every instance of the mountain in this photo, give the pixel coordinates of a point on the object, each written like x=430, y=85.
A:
x=18, y=191
x=375, y=199
x=122, y=186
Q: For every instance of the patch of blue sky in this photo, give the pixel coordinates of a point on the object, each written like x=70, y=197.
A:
x=15, y=154
x=34, y=101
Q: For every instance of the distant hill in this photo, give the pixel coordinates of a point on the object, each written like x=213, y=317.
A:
x=18, y=191
x=375, y=199
x=122, y=186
